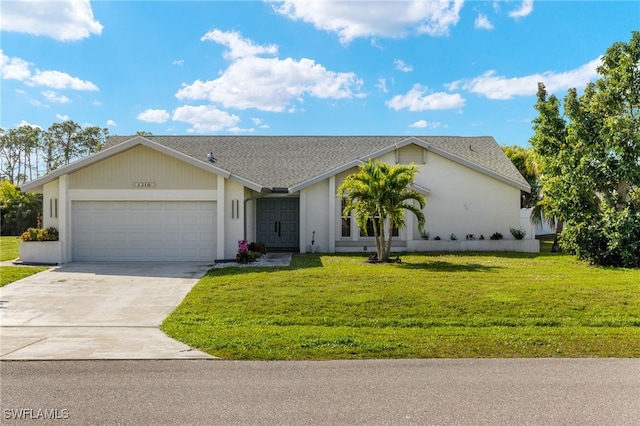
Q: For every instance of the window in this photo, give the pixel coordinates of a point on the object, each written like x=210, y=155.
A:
x=346, y=221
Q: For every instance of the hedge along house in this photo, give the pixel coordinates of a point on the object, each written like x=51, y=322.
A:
x=192, y=198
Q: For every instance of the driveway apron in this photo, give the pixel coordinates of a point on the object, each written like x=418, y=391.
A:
x=96, y=311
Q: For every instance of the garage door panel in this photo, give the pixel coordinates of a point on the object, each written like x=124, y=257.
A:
x=144, y=231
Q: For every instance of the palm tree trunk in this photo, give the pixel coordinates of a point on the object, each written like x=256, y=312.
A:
x=388, y=253
x=376, y=236
x=555, y=247
x=380, y=241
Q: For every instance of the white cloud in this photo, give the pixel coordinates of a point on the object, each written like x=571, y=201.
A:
x=382, y=85
x=259, y=122
x=51, y=96
x=178, y=62
x=205, y=118
x=417, y=99
x=63, y=20
x=59, y=80
x=111, y=123
x=354, y=19
x=62, y=117
x=268, y=84
x=500, y=87
x=154, y=116
x=402, y=65
x=19, y=69
x=14, y=68
x=26, y=123
x=238, y=46
x=525, y=8
x=423, y=124
x=482, y=22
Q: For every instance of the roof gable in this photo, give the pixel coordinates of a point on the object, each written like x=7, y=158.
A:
x=112, y=150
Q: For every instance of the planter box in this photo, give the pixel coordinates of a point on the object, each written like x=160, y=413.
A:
x=523, y=246
x=45, y=252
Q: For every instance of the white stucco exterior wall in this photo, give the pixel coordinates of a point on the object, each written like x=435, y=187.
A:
x=316, y=204
x=464, y=201
x=233, y=210
x=51, y=199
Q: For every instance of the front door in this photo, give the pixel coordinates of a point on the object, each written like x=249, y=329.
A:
x=278, y=223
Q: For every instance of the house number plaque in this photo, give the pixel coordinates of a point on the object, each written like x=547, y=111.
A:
x=144, y=184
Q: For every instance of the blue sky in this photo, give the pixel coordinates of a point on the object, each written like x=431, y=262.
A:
x=300, y=67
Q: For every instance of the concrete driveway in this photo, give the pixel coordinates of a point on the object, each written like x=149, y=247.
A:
x=96, y=311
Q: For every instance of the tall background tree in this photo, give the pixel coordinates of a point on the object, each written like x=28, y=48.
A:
x=26, y=153
x=379, y=193
x=590, y=163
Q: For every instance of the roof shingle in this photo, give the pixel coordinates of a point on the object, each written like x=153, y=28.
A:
x=287, y=161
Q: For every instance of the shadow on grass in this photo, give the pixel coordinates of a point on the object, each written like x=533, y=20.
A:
x=298, y=261
x=440, y=266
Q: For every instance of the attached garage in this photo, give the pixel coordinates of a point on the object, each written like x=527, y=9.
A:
x=144, y=230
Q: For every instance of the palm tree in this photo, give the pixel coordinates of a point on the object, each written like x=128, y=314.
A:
x=526, y=162
x=379, y=193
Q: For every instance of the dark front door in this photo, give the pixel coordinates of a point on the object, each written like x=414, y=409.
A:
x=278, y=223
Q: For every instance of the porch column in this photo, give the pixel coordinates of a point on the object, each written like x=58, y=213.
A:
x=333, y=232
x=220, y=235
x=64, y=218
x=303, y=221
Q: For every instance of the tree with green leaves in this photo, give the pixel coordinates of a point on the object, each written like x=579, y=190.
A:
x=19, y=153
x=68, y=141
x=19, y=210
x=590, y=163
x=379, y=193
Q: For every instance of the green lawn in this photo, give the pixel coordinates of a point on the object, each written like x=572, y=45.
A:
x=10, y=250
x=430, y=305
x=9, y=274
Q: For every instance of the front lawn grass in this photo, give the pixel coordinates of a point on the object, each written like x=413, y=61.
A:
x=9, y=274
x=428, y=306
x=9, y=248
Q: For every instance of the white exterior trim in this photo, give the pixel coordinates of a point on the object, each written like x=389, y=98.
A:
x=332, y=217
x=143, y=195
x=220, y=219
x=64, y=217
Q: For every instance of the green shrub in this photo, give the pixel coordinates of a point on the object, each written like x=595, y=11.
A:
x=496, y=236
x=609, y=238
x=258, y=248
x=518, y=233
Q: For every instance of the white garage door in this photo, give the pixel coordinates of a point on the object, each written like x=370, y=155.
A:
x=144, y=230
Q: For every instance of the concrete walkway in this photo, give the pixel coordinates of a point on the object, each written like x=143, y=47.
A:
x=96, y=311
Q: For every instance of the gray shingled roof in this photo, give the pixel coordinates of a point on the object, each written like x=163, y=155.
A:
x=287, y=161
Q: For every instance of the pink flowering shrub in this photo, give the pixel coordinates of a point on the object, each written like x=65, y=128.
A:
x=249, y=252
